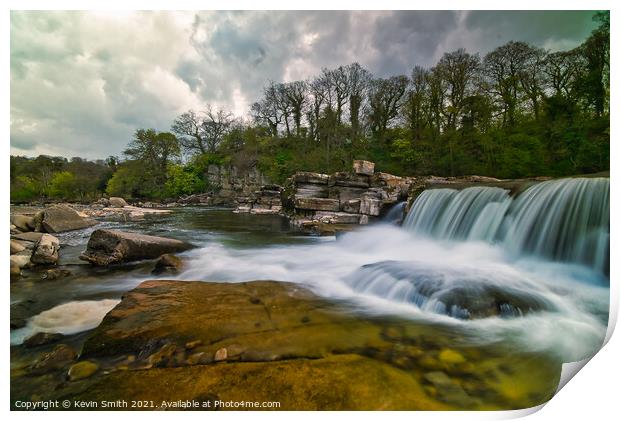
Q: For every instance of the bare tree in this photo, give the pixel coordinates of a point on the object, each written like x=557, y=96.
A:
x=202, y=133
x=385, y=101
x=358, y=80
x=296, y=96
x=216, y=123
x=458, y=69
x=188, y=128
x=266, y=111
x=506, y=67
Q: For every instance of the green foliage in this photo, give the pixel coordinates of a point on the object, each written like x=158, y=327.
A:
x=183, y=180
x=63, y=185
x=126, y=181
x=23, y=189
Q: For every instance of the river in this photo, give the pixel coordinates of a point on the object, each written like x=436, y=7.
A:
x=461, y=260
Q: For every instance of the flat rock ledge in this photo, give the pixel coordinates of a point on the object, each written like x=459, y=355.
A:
x=273, y=341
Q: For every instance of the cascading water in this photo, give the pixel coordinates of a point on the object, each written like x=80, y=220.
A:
x=563, y=220
x=483, y=281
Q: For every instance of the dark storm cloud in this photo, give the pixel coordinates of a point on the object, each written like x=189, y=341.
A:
x=82, y=82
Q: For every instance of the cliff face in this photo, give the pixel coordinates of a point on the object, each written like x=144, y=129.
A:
x=229, y=186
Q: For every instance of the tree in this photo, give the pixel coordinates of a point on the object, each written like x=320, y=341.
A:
x=202, y=133
x=459, y=70
x=385, y=101
x=358, y=80
x=189, y=128
x=63, y=185
x=295, y=96
x=267, y=110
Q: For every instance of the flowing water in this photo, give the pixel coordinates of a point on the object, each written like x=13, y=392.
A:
x=529, y=271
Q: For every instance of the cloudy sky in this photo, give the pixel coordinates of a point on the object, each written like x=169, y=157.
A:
x=82, y=82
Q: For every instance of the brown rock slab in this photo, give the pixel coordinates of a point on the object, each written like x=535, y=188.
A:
x=107, y=247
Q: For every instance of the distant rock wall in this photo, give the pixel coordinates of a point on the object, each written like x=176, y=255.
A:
x=230, y=186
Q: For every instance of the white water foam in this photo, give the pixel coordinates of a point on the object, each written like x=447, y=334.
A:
x=573, y=329
x=67, y=318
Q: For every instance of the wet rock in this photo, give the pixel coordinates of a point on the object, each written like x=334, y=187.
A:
x=20, y=260
x=107, y=247
x=196, y=358
x=163, y=356
x=59, y=357
x=451, y=357
x=16, y=247
x=61, y=218
x=193, y=344
x=32, y=237
x=448, y=390
x=168, y=263
x=82, y=370
x=221, y=354
x=15, y=271
x=46, y=250
x=54, y=274
x=363, y=167
x=42, y=338
x=118, y=202
x=23, y=222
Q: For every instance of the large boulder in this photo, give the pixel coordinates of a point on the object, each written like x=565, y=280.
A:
x=61, y=218
x=118, y=202
x=46, y=250
x=107, y=247
x=23, y=222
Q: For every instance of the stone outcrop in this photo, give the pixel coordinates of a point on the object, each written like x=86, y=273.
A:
x=314, y=201
x=264, y=201
x=61, y=218
x=107, y=247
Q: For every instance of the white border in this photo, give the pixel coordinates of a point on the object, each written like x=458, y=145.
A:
x=592, y=394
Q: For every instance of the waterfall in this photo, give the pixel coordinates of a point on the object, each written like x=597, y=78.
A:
x=564, y=220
